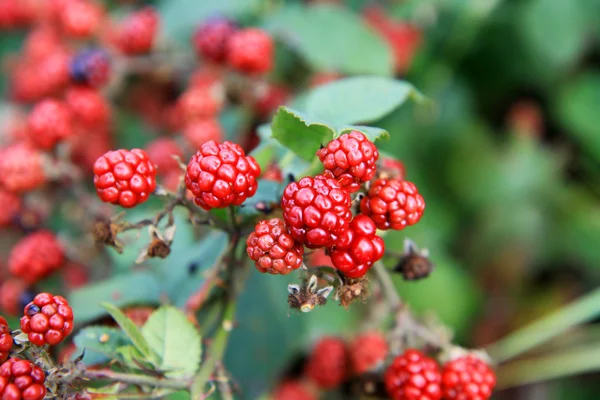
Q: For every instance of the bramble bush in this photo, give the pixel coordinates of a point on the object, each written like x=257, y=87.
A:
x=246, y=234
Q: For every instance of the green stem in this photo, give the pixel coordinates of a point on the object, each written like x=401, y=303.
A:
x=134, y=379
x=581, y=310
x=561, y=364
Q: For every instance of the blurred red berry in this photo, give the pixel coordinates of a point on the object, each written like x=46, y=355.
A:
x=11, y=292
x=200, y=103
x=525, y=117
x=292, y=390
x=88, y=145
x=88, y=107
x=21, y=168
x=467, y=378
x=357, y=248
x=36, y=256
x=15, y=14
x=81, y=18
x=161, y=152
x=90, y=67
x=10, y=204
x=367, y=352
x=413, y=376
x=41, y=42
x=21, y=379
x=137, y=33
x=317, y=210
x=269, y=98
x=273, y=173
x=139, y=314
x=393, y=204
x=221, y=175
x=6, y=340
x=319, y=258
x=74, y=276
x=49, y=123
x=201, y=131
x=390, y=168
x=211, y=37
x=350, y=159
x=273, y=249
x=328, y=362
x=48, y=319
x=206, y=78
x=250, y=51
x=124, y=177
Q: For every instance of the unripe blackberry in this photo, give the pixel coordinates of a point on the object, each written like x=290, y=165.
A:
x=327, y=364
x=21, y=168
x=467, y=378
x=273, y=249
x=90, y=67
x=36, y=256
x=137, y=33
x=6, y=340
x=48, y=319
x=81, y=19
x=211, y=37
x=161, y=152
x=250, y=51
x=49, y=123
x=11, y=292
x=10, y=204
x=201, y=131
x=413, y=376
x=367, y=351
x=293, y=390
x=21, y=379
x=393, y=204
x=88, y=107
x=201, y=103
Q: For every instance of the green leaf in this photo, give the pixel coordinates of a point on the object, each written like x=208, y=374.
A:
x=578, y=109
x=175, y=340
x=299, y=133
x=100, y=343
x=121, y=290
x=359, y=99
x=132, y=357
x=132, y=331
x=180, y=18
x=371, y=132
x=321, y=34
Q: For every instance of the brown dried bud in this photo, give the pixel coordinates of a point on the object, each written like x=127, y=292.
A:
x=158, y=248
x=353, y=290
x=308, y=296
x=414, y=263
x=105, y=233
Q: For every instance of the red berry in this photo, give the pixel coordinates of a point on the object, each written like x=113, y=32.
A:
x=88, y=106
x=48, y=319
x=350, y=159
x=90, y=67
x=413, y=376
x=15, y=14
x=221, y=175
x=392, y=168
x=200, y=102
x=201, y=131
x=161, y=152
x=36, y=256
x=357, y=248
x=319, y=258
x=273, y=173
x=467, y=378
x=21, y=379
x=250, y=51
x=393, y=204
x=6, y=340
x=81, y=18
x=124, y=177
x=316, y=210
x=49, y=123
x=10, y=205
x=327, y=364
x=11, y=292
x=138, y=31
x=74, y=276
x=41, y=42
x=367, y=352
x=292, y=390
x=210, y=39
x=88, y=145
x=21, y=168
x=273, y=249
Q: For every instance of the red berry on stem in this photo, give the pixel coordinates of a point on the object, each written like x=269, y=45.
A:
x=210, y=39
x=36, y=256
x=467, y=378
x=21, y=168
x=137, y=33
x=273, y=249
x=88, y=107
x=6, y=340
x=367, y=352
x=200, y=131
x=49, y=123
x=413, y=376
x=357, y=248
x=292, y=390
x=316, y=210
x=221, y=175
x=48, y=319
x=124, y=177
x=327, y=364
x=250, y=51
x=351, y=159
x=21, y=379
x=393, y=204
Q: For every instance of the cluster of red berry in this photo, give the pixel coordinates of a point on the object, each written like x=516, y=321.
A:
x=409, y=376
x=47, y=320
x=317, y=212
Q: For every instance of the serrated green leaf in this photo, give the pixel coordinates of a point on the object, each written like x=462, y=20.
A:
x=321, y=35
x=132, y=331
x=359, y=99
x=300, y=133
x=121, y=290
x=100, y=343
x=175, y=340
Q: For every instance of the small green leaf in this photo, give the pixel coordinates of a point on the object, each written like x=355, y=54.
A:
x=299, y=133
x=359, y=99
x=121, y=290
x=132, y=331
x=372, y=133
x=100, y=343
x=176, y=341
x=131, y=356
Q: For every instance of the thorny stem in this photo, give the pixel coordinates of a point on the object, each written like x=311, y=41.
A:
x=134, y=379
